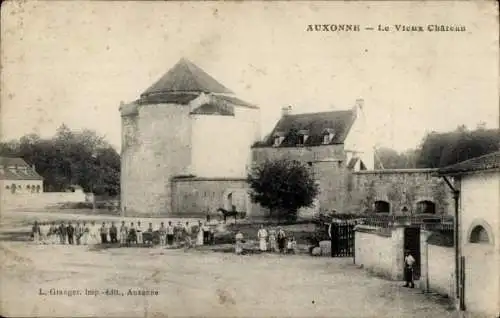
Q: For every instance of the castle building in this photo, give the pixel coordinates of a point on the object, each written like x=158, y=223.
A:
x=188, y=141
x=332, y=143
x=186, y=127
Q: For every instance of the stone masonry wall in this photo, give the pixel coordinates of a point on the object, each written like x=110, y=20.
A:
x=157, y=147
x=196, y=196
x=400, y=188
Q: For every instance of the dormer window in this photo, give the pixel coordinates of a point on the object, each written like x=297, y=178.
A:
x=302, y=137
x=328, y=135
x=278, y=139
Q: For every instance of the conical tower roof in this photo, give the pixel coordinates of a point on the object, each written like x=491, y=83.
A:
x=186, y=77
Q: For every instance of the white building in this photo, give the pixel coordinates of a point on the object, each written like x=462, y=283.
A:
x=478, y=181
x=17, y=177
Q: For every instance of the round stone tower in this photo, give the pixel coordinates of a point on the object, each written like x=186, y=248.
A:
x=186, y=124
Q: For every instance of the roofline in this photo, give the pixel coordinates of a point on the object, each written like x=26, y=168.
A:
x=467, y=172
x=295, y=146
x=389, y=171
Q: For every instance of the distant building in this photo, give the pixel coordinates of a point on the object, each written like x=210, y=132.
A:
x=184, y=134
x=478, y=181
x=16, y=176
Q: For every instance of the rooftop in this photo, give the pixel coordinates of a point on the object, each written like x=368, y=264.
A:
x=486, y=162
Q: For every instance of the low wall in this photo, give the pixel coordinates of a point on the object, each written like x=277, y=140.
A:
x=374, y=251
x=441, y=269
x=39, y=200
x=197, y=196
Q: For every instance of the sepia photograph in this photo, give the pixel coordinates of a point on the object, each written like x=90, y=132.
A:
x=249, y=159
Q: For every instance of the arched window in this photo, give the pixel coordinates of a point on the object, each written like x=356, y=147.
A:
x=426, y=207
x=479, y=235
x=38, y=188
x=382, y=207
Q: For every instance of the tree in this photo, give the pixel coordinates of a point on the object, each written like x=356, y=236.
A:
x=70, y=158
x=282, y=186
x=443, y=149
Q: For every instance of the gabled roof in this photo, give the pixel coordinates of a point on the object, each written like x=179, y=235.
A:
x=487, y=162
x=214, y=109
x=23, y=172
x=315, y=124
x=186, y=77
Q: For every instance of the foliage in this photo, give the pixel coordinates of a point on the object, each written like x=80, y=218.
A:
x=438, y=150
x=391, y=159
x=70, y=158
x=282, y=186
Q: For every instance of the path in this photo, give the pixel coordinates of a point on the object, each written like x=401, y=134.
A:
x=198, y=284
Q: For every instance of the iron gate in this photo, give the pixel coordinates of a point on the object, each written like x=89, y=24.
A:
x=342, y=238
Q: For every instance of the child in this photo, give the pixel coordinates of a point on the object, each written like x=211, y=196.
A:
x=291, y=246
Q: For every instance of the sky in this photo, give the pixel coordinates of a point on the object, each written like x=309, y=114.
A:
x=74, y=62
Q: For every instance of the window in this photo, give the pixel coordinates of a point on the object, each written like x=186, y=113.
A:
x=7, y=187
x=479, y=235
x=38, y=188
x=382, y=207
x=28, y=186
x=426, y=207
x=302, y=137
x=278, y=140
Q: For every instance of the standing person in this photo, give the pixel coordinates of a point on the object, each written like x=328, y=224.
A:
x=62, y=233
x=104, y=233
x=71, y=234
x=179, y=231
x=113, y=233
x=281, y=238
x=272, y=240
x=36, y=232
x=291, y=246
x=132, y=234
x=139, y=232
x=239, y=243
x=187, y=235
x=199, y=237
x=262, y=236
x=94, y=233
x=85, y=233
x=44, y=230
x=52, y=234
x=170, y=233
x=409, y=262
x=206, y=233
x=78, y=233
x=123, y=233
x=163, y=233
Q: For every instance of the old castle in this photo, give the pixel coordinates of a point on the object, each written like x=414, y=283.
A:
x=188, y=141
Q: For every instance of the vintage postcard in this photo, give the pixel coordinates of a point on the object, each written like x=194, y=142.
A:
x=249, y=159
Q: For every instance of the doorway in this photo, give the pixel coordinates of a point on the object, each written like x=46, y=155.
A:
x=412, y=244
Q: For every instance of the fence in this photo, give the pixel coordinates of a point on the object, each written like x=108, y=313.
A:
x=424, y=222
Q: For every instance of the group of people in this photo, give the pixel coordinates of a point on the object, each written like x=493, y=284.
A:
x=274, y=240
x=84, y=233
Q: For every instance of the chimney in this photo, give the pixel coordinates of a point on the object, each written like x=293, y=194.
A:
x=360, y=103
x=286, y=111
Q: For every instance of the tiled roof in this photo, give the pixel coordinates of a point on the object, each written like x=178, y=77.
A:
x=186, y=77
x=490, y=161
x=23, y=171
x=9, y=161
x=316, y=125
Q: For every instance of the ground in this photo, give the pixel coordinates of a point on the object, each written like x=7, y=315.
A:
x=196, y=283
